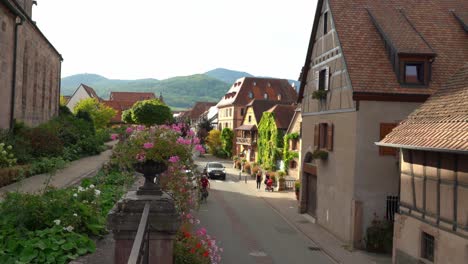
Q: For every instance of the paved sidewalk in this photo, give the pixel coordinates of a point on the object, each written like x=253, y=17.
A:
x=286, y=205
x=70, y=175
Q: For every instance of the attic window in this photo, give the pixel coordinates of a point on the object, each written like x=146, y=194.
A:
x=268, y=84
x=250, y=94
x=254, y=83
x=414, y=73
x=325, y=23
x=279, y=97
x=265, y=96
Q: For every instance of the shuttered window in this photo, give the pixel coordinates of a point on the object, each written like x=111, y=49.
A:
x=323, y=136
x=385, y=129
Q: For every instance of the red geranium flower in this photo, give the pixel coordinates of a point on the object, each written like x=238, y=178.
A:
x=206, y=254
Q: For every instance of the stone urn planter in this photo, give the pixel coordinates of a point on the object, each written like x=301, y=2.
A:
x=151, y=170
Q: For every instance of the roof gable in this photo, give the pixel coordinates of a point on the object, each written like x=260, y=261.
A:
x=131, y=96
x=283, y=115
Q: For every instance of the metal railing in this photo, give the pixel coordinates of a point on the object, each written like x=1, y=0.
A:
x=140, y=248
x=241, y=140
x=290, y=184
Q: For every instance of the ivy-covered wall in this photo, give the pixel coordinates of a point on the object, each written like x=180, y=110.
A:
x=270, y=141
x=289, y=155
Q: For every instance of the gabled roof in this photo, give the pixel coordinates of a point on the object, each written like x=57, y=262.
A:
x=441, y=123
x=118, y=106
x=239, y=92
x=90, y=91
x=412, y=26
x=463, y=18
x=283, y=115
x=259, y=106
x=131, y=96
x=199, y=108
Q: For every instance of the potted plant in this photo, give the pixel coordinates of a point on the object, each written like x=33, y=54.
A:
x=149, y=151
x=281, y=180
x=235, y=159
x=297, y=189
x=320, y=154
x=319, y=94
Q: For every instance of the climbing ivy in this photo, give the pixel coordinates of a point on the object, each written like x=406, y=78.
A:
x=227, y=136
x=289, y=155
x=270, y=141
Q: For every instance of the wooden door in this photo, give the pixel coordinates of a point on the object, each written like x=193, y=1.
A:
x=311, y=194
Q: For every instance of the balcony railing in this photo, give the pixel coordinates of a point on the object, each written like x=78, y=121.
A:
x=244, y=141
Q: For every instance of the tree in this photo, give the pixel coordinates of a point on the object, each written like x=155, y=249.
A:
x=227, y=135
x=127, y=116
x=63, y=101
x=204, y=127
x=100, y=113
x=213, y=141
x=270, y=141
x=151, y=112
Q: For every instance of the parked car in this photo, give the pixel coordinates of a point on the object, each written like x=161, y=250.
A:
x=215, y=170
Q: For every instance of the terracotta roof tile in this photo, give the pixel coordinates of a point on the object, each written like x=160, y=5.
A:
x=239, y=92
x=367, y=60
x=131, y=96
x=441, y=122
x=259, y=106
x=91, y=92
x=283, y=115
x=198, y=109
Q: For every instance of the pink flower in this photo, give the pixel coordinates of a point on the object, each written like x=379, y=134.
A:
x=148, y=145
x=201, y=231
x=140, y=128
x=140, y=156
x=180, y=140
x=174, y=159
x=200, y=148
x=114, y=136
x=196, y=141
x=129, y=130
x=191, y=133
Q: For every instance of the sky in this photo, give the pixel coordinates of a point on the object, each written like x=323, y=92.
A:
x=166, y=38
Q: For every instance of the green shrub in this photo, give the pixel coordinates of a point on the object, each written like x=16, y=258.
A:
x=379, y=236
x=11, y=174
x=7, y=158
x=46, y=165
x=100, y=114
x=44, y=142
x=90, y=146
x=64, y=111
x=151, y=112
x=127, y=116
x=227, y=135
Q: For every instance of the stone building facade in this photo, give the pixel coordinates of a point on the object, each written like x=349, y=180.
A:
x=30, y=67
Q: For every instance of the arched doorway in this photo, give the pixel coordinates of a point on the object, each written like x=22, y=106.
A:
x=309, y=181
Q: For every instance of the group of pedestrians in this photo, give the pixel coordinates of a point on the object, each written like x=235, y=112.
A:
x=268, y=181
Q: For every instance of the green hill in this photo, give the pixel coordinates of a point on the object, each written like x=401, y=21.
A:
x=178, y=92
x=227, y=76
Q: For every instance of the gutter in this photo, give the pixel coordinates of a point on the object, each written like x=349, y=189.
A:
x=456, y=151
x=15, y=51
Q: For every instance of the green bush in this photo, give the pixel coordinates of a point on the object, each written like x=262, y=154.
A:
x=100, y=113
x=379, y=236
x=227, y=135
x=151, y=112
x=46, y=165
x=44, y=142
x=64, y=111
x=11, y=174
x=127, y=116
x=91, y=146
x=7, y=158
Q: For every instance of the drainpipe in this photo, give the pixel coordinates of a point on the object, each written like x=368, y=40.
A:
x=13, y=81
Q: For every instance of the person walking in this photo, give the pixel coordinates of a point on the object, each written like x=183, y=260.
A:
x=259, y=179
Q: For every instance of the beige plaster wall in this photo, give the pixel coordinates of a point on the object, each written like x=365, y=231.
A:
x=7, y=27
x=79, y=95
x=224, y=117
x=296, y=128
x=334, y=176
x=449, y=248
x=376, y=176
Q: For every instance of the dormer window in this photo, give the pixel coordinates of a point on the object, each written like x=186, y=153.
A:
x=251, y=95
x=414, y=73
x=325, y=23
x=279, y=97
x=265, y=96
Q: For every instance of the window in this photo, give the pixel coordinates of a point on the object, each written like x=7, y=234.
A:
x=226, y=125
x=323, y=136
x=251, y=95
x=292, y=164
x=242, y=111
x=230, y=111
x=279, y=97
x=385, y=129
x=250, y=118
x=294, y=144
x=427, y=246
x=325, y=23
x=265, y=96
x=414, y=73
x=323, y=79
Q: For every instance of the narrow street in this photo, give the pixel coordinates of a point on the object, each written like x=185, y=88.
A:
x=248, y=228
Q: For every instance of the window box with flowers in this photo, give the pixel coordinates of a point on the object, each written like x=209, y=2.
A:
x=319, y=94
x=320, y=154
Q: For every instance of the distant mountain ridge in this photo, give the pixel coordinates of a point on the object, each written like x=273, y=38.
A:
x=178, y=92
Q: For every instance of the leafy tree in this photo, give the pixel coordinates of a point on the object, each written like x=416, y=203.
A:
x=213, y=140
x=227, y=135
x=270, y=141
x=63, y=101
x=100, y=113
x=127, y=116
x=204, y=127
x=151, y=112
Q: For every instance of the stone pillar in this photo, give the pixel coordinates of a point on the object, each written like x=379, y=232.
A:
x=163, y=221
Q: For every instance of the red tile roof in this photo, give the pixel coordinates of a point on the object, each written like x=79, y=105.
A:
x=415, y=26
x=131, y=96
x=440, y=123
x=198, y=109
x=239, y=92
x=259, y=106
x=118, y=106
x=283, y=115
